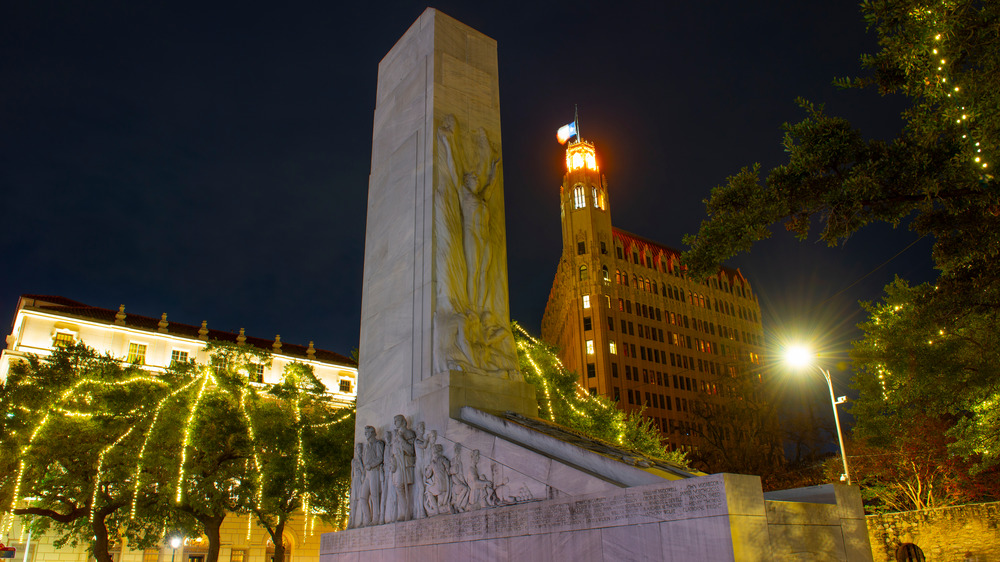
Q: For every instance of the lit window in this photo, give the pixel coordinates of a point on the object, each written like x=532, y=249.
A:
x=586, y=301
x=583, y=273
x=612, y=347
x=258, y=373
x=237, y=555
x=64, y=339
x=590, y=347
x=345, y=385
x=579, y=198
x=606, y=274
x=136, y=353
x=178, y=356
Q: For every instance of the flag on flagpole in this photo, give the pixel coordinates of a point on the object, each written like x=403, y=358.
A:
x=565, y=132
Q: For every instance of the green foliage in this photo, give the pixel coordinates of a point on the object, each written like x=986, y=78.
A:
x=936, y=176
x=933, y=172
x=562, y=400
x=915, y=470
x=918, y=358
x=70, y=421
x=108, y=449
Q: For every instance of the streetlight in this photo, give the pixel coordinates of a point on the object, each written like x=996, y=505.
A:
x=802, y=357
x=174, y=543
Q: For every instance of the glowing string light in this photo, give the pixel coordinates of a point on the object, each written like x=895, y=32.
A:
x=187, y=439
x=145, y=442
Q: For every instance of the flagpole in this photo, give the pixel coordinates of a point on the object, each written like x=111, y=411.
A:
x=576, y=120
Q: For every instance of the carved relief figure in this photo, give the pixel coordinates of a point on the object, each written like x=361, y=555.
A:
x=482, y=493
x=471, y=312
x=357, y=483
x=421, y=442
x=388, y=493
x=403, y=458
x=437, y=483
x=371, y=491
x=459, y=484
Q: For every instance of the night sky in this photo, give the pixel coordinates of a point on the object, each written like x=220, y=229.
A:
x=210, y=160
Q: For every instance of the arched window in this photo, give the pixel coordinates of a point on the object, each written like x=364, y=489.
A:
x=594, y=192
x=647, y=285
x=654, y=287
x=635, y=282
x=607, y=275
x=579, y=198
x=618, y=276
x=583, y=273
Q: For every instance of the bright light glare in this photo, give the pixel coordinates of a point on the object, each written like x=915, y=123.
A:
x=175, y=542
x=799, y=356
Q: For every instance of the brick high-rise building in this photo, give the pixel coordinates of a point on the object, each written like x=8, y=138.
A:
x=628, y=319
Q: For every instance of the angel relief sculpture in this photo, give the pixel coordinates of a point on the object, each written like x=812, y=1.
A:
x=471, y=312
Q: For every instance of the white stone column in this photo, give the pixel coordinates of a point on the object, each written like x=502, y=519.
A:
x=435, y=324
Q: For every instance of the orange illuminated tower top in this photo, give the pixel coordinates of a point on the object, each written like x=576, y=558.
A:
x=581, y=154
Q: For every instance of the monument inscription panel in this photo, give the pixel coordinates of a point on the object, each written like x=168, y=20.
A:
x=682, y=499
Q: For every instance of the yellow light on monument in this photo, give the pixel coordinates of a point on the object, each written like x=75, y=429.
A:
x=802, y=356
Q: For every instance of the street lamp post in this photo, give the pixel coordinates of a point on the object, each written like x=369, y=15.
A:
x=802, y=356
x=836, y=420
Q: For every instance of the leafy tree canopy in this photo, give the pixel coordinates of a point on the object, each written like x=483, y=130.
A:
x=931, y=349
x=920, y=359
x=936, y=174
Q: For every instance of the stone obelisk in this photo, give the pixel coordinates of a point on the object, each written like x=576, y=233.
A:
x=435, y=324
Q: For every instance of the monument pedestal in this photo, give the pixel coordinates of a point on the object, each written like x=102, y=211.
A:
x=722, y=517
x=442, y=396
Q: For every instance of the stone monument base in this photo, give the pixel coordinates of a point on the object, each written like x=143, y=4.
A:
x=716, y=517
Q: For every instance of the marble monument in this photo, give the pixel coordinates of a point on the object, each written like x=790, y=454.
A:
x=451, y=461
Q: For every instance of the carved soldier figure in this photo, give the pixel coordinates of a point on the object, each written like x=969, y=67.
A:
x=373, y=453
x=459, y=484
x=437, y=483
x=420, y=442
x=357, y=483
x=402, y=459
x=482, y=492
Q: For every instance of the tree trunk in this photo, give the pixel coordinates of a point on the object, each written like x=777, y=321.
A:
x=278, y=539
x=100, y=528
x=212, y=524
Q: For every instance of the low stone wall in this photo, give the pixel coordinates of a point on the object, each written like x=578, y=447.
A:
x=946, y=533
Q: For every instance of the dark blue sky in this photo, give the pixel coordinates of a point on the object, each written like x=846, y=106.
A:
x=210, y=160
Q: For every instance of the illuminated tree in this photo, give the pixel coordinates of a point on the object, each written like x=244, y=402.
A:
x=302, y=447
x=175, y=451
x=919, y=358
x=71, y=422
x=562, y=400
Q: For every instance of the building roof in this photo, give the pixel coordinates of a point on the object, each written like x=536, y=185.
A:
x=70, y=308
x=630, y=240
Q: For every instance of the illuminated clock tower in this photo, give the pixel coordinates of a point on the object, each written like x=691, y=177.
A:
x=627, y=319
x=587, y=243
